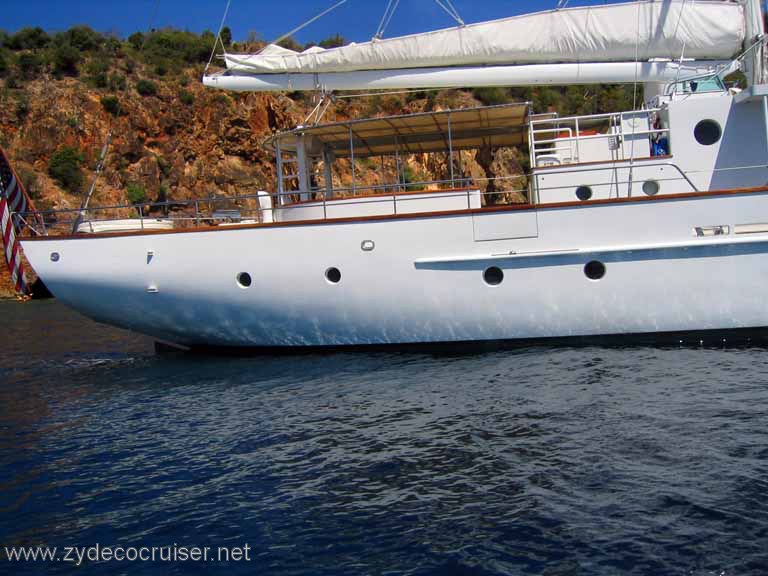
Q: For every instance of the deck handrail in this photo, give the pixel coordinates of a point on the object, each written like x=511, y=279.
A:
x=29, y=219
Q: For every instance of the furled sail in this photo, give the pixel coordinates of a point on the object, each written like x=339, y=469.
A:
x=706, y=30
x=709, y=30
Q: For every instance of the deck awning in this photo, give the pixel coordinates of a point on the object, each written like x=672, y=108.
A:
x=469, y=128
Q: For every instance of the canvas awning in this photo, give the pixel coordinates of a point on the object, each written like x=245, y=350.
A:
x=469, y=128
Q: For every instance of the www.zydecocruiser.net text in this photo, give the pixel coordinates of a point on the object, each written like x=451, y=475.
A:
x=79, y=555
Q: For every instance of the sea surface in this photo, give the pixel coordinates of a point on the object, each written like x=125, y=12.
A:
x=541, y=460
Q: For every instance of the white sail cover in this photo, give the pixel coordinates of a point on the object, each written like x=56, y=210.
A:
x=700, y=29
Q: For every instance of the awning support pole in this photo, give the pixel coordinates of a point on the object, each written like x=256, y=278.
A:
x=352, y=157
x=450, y=148
x=765, y=119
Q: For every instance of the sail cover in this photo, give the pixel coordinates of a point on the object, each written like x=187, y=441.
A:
x=700, y=30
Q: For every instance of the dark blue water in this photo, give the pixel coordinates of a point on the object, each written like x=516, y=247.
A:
x=534, y=461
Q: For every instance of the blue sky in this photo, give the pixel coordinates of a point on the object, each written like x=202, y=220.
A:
x=355, y=20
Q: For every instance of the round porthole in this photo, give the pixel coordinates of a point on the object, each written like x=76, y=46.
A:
x=493, y=276
x=55, y=256
x=650, y=187
x=583, y=193
x=244, y=280
x=333, y=275
x=594, y=270
x=707, y=132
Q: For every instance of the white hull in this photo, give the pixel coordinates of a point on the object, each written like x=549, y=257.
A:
x=423, y=281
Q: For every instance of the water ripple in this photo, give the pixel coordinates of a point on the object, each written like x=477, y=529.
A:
x=535, y=461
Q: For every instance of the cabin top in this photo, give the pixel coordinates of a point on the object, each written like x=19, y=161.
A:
x=467, y=128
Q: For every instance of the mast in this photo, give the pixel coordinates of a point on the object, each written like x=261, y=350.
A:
x=755, y=66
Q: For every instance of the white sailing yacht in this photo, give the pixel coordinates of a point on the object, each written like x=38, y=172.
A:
x=649, y=221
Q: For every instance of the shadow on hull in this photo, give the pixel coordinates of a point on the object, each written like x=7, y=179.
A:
x=733, y=338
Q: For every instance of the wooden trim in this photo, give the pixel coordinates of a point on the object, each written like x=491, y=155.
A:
x=611, y=163
x=417, y=216
x=383, y=195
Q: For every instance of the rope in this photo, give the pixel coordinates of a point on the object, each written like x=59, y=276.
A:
x=218, y=37
x=151, y=22
x=308, y=22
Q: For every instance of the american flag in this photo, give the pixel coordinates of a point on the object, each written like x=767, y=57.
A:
x=13, y=198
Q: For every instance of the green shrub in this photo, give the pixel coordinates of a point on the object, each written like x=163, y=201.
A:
x=29, y=65
x=30, y=181
x=174, y=47
x=116, y=82
x=409, y=175
x=162, y=67
x=136, y=193
x=65, y=59
x=22, y=107
x=136, y=40
x=226, y=36
x=64, y=167
x=81, y=38
x=491, y=95
x=4, y=65
x=98, y=72
x=111, y=104
x=146, y=87
x=186, y=97
x=28, y=39
x=162, y=193
x=334, y=41
x=290, y=44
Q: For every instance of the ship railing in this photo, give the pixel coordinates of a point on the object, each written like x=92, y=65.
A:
x=247, y=209
x=562, y=139
x=683, y=176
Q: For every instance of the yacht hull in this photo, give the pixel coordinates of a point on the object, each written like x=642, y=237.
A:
x=420, y=278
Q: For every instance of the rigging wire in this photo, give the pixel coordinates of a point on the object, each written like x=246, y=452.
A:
x=389, y=11
x=682, y=52
x=451, y=10
x=102, y=162
x=634, y=103
x=308, y=22
x=218, y=37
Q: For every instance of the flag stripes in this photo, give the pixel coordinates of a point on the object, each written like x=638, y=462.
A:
x=13, y=199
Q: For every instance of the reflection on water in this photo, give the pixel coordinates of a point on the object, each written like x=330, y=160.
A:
x=541, y=460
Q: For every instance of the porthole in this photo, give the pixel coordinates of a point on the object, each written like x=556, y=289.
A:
x=707, y=132
x=55, y=256
x=244, y=280
x=493, y=276
x=650, y=187
x=583, y=193
x=333, y=275
x=594, y=269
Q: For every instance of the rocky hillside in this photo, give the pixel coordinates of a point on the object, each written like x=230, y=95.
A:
x=173, y=139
